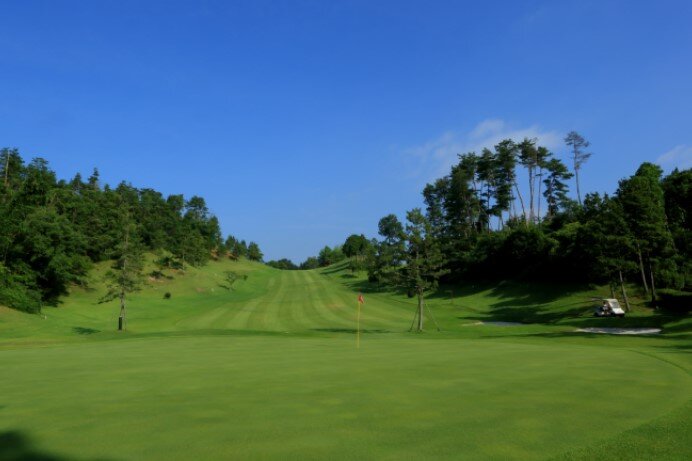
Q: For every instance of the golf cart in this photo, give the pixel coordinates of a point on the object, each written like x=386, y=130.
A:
x=609, y=308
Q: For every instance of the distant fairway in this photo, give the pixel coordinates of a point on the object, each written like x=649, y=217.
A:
x=269, y=370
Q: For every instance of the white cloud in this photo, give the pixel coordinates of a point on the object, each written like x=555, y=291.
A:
x=434, y=158
x=678, y=157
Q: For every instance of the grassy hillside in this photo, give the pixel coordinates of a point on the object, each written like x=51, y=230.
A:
x=269, y=370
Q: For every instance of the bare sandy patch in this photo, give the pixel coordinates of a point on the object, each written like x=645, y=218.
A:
x=621, y=331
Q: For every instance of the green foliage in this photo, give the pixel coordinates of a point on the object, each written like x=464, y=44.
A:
x=329, y=256
x=310, y=263
x=677, y=190
x=169, y=262
x=192, y=248
x=230, y=277
x=284, y=264
x=594, y=242
x=53, y=250
x=643, y=204
x=52, y=231
x=236, y=248
x=423, y=258
x=16, y=291
x=126, y=273
x=555, y=187
x=387, y=255
x=356, y=246
x=254, y=253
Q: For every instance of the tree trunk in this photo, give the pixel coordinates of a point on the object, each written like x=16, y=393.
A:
x=653, y=287
x=521, y=200
x=641, y=269
x=576, y=175
x=531, y=187
x=420, y=310
x=624, y=293
x=487, y=205
x=538, y=196
x=612, y=290
x=121, y=319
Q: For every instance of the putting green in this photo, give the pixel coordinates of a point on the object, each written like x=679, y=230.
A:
x=226, y=397
x=270, y=371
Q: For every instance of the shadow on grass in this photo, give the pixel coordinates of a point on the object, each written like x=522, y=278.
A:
x=348, y=330
x=522, y=302
x=578, y=316
x=660, y=341
x=15, y=446
x=338, y=267
x=540, y=303
x=680, y=328
x=84, y=331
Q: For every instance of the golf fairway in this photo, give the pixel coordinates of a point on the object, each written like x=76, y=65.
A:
x=271, y=371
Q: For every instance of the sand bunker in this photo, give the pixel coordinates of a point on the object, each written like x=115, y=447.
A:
x=621, y=331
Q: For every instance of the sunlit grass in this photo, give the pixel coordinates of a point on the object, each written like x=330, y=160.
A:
x=270, y=370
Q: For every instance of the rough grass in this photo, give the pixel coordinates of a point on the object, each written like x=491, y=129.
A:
x=269, y=370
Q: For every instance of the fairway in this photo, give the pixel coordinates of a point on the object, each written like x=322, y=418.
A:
x=269, y=370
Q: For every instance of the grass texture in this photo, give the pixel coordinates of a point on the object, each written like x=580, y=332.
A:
x=269, y=370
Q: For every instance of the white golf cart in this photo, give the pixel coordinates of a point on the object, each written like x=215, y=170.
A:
x=609, y=308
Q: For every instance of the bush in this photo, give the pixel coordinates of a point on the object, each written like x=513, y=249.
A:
x=21, y=299
x=15, y=293
x=167, y=295
x=674, y=301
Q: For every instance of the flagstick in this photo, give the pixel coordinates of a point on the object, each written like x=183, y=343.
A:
x=358, y=330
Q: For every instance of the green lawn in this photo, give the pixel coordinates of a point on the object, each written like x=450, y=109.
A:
x=270, y=370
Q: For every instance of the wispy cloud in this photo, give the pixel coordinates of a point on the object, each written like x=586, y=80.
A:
x=434, y=157
x=678, y=157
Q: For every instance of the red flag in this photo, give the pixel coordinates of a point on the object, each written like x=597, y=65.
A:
x=360, y=299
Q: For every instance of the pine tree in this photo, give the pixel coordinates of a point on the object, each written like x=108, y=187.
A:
x=555, y=186
x=126, y=274
x=579, y=155
x=424, y=260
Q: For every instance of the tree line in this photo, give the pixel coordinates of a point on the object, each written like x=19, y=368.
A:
x=486, y=221
x=52, y=231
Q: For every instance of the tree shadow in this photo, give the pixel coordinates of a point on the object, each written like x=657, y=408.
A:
x=529, y=314
x=84, y=331
x=348, y=330
x=682, y=328
x=15, y=446
x=681, y=347
x=333, y=269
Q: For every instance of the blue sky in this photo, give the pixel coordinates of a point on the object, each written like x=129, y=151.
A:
x=301, y=122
